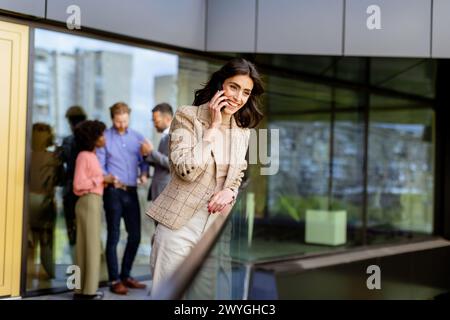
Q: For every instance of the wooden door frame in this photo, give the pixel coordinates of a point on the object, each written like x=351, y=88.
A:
x=18, y=34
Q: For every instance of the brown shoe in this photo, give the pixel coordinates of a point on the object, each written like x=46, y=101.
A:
x=131, y=283
x=118, y=288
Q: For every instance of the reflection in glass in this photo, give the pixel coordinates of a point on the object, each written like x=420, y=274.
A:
x=288, y=96
x=415, y=76
x=70, y=71
x=45, y=175
x=401, y=167
x=68, y=154
x=347, y=171
x=302, y=180
x=78, y=71
x=314, y=137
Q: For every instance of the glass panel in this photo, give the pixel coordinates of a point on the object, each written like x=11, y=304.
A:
x=344, y=68
x=351, y=69
x=347, y=68
x=400, y=175
x=71, y=70
x=307, y=64
x=279, y=204
x=348, y=99
x=222, y=275
x=415, y=76
x=320, y=173
x=348, y=171
x=383, y=102
x=289, y=96
x=302, y=180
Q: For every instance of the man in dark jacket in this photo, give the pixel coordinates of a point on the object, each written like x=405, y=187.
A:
x=69, y=152
x=159, y=159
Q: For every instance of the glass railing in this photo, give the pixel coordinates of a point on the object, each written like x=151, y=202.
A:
x=210, y=271
x=222, y=264
x=223, y=276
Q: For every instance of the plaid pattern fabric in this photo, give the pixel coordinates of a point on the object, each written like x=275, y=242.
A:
x=193, y=168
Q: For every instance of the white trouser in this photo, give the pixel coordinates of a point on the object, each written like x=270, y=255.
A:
x=171, y=247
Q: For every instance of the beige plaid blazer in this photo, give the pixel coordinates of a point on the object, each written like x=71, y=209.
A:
x=193, y=167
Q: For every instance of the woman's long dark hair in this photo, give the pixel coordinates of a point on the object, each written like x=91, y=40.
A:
x=249, y=115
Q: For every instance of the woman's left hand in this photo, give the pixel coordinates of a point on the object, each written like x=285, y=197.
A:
x=220, y=200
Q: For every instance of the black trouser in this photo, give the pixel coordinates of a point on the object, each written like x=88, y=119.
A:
x=119, y=203
x=69, y=201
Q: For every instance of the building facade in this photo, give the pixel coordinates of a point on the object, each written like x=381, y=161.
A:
x=355, y=89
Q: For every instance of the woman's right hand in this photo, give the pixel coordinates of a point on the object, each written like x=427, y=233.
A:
x=109, y=179
x=215, y=104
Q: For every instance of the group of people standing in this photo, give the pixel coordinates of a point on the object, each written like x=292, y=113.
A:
x=110, y=165
x=199, y=166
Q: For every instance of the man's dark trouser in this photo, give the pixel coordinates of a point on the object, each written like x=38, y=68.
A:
x=69, y=202
x=119, y=203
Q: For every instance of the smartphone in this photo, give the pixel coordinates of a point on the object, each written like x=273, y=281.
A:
x=220, y=88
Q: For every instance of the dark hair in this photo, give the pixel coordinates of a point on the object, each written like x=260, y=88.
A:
x=75, y=115
x=119, y=108
x=249, y=115
x=163, y=108
x=87, y=134
x=42, y=136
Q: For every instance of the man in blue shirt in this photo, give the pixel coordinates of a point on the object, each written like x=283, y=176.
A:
x=121, y=157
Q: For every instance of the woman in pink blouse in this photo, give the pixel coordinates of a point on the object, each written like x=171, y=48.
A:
x=88, y=184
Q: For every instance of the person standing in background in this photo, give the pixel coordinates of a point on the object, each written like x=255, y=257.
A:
x=45, y=175
x=68, y=155
x=162, y=119
x=121, y=157
x=88, y=185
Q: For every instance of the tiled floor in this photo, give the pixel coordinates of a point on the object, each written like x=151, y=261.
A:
x=133, y=294
x=37, y=278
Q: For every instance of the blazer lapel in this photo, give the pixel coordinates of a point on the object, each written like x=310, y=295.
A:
x=203, y=115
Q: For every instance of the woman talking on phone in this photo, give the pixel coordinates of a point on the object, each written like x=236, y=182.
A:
x=208, y=143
